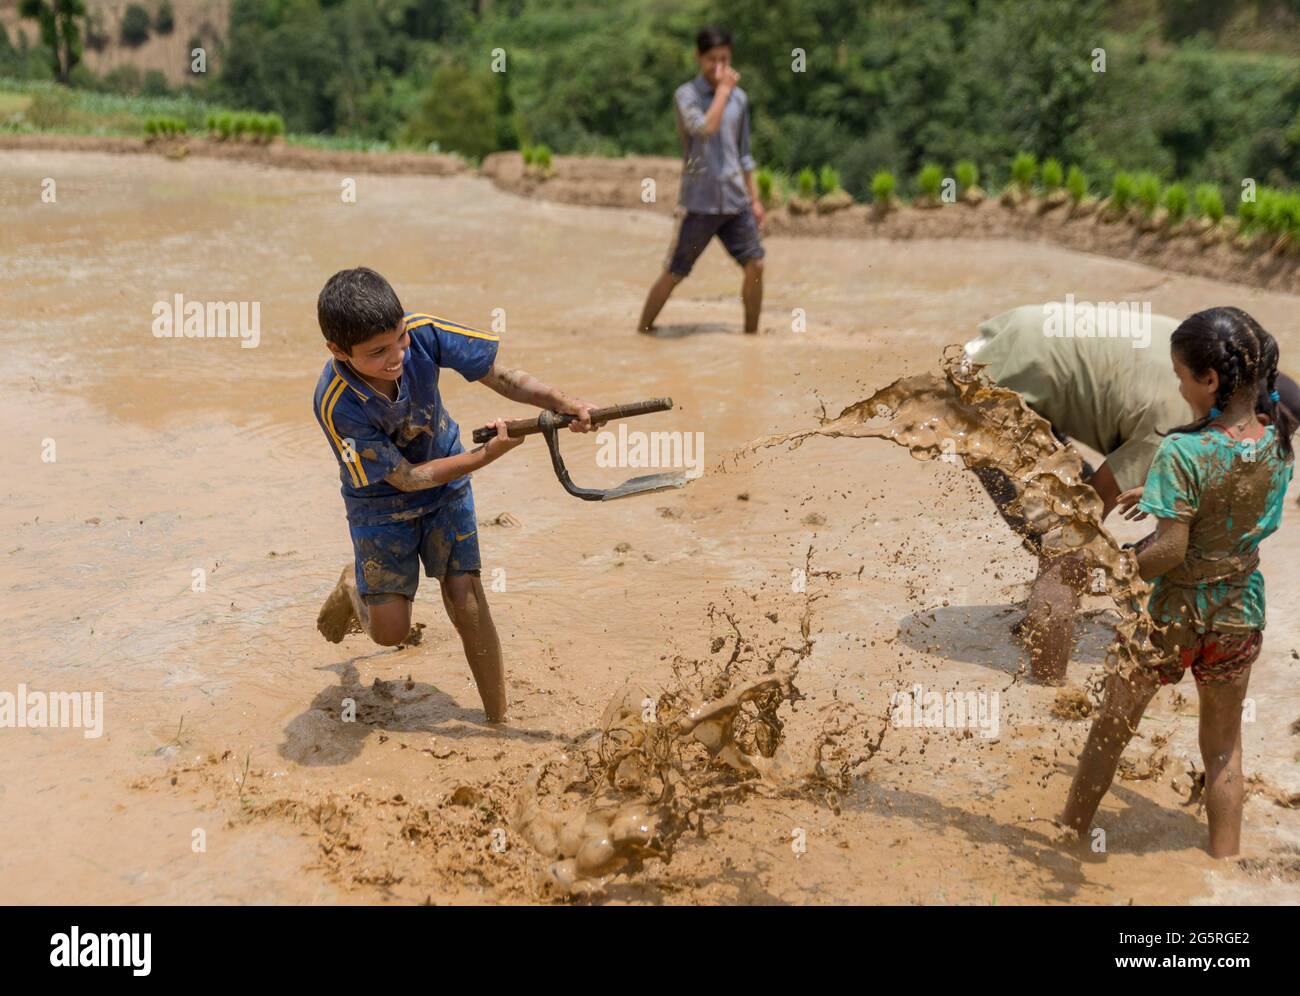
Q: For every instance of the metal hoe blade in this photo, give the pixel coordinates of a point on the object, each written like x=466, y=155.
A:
x=635, y=486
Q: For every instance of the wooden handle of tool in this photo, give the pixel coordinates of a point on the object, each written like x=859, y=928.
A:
x=528, y=426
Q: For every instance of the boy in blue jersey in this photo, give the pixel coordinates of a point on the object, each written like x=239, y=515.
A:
x=405, y=474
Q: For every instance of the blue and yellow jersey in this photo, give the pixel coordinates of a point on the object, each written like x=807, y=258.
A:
x=371, y=435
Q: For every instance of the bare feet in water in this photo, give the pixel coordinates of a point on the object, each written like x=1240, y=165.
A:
x=337, y=617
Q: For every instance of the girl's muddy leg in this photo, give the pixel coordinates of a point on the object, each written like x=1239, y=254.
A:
x=1221, y=751
x=467, y=608
x=1121, y=710
x=751, y=293
x=1048, y=626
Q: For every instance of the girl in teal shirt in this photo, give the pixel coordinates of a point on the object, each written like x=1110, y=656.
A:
x=1216, y=489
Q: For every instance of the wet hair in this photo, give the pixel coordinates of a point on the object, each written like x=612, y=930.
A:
x=1245, y=356
x=356, y=305
x=712, y=37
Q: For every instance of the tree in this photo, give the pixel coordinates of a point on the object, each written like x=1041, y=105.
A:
x=135, y=26
x=164, y=21
x=60, y=31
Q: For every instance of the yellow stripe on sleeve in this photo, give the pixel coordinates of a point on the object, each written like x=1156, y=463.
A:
x=416, y=320
x=327, y=403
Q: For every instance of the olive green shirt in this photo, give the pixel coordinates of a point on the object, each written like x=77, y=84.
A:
x=1098, y=384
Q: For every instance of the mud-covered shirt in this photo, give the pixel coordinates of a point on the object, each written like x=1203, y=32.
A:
x=1231, y=493
x=370, y=435
x=1114, y=393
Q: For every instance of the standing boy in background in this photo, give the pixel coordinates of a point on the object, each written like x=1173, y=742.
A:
x=717, y=193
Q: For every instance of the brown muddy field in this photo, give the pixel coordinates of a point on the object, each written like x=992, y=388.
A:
x=222, y=706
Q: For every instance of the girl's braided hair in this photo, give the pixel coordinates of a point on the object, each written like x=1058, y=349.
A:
x=1245, y=356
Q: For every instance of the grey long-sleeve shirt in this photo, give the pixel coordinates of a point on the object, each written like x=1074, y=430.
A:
x=714, y=167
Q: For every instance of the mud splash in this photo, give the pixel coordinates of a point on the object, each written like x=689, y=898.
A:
x=658, y=765
x=962, y=415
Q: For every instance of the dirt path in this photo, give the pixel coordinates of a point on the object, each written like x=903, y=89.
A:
x=222, y=706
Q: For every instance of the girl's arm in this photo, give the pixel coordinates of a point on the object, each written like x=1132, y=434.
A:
x=1166, y=551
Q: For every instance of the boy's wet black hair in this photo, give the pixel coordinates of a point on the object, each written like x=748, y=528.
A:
x=712, y=37
x=356, y=305
x=1230, y=342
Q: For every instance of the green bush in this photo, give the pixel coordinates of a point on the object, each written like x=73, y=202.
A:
x=1023, y=170
x=529, y=156
x=164, y=21
x=1176, y=202
x=1076, y=184
x=828, y=180
x=1053, y=175
x=542, y=156
x=1121, y=191
x=135, y=26
x=967, y=175
x=1209, y=202
x=764, y=180
x=1146, y=188
x=882, y=187
x=929, y=180
x=807, y=183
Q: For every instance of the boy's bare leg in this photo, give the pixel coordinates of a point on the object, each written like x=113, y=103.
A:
x=751, y=293
x=660, y=291
x=1048, y=626
x=385, y=618
x=1121, y=710
x=1221, y=751
x=467, y=608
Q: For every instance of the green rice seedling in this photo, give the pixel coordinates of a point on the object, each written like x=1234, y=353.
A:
x=1209, y=202
x=1176, y=202
x=807, y=183
x=967, y=175
x=828, y=180
x=882, y=187
x=1146, y=188
x=1023, y=170
x=929, y=180
x=1053, y=175
x=1076, y=184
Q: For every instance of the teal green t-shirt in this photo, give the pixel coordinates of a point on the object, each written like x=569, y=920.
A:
x=1231, y=493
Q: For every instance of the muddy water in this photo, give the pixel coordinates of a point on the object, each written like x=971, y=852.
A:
x=224, y=774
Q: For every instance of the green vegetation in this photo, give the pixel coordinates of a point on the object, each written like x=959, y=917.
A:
x=163, y=127
x=135, y=25
x=1053, y=175
x=60, y=23
x=1209, y=202
x=164, y=22
x=828, y=180
x=967, y=174
x=929, y=180
x=1122, y=191
x=1023, y=170
x=765, y=181
x=1176, y=202
x=807, y=183
x=1146, y=189
x=882, y=187
x=225, y=126
x=1076, y=184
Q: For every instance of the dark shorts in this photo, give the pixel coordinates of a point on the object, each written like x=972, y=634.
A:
x=738, y=232
x=1213, y=657
x=388, y=554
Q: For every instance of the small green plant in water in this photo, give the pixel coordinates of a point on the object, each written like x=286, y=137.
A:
x=967, y=174
x=1146, y=188
x=807, y=183
x=929, y=180
x=1176, y=202
x=1023, y=170
x=882, y=187
x=1209, y=202
x=1076, y=184
x=1053, y=175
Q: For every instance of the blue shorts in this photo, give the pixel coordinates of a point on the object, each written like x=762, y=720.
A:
x=738, y=232
x=388, y=554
